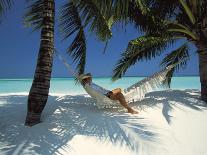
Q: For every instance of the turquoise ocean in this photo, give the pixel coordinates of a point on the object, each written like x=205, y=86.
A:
x=69, y=86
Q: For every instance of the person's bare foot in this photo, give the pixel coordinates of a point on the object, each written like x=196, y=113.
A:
x=132, y=111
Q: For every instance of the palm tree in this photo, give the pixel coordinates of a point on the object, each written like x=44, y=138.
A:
x=4, y=6
x=175, y=20
x=41, y=15
x=75, y=16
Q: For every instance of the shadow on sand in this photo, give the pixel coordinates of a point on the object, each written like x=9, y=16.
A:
x=63, y=118
x=67, y=116
x=173, y=98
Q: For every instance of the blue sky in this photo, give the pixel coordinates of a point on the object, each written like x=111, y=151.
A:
x=19, y=49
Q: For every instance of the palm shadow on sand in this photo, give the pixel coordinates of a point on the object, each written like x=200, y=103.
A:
x=172, y=98
x=64, y=118
x=68, y=116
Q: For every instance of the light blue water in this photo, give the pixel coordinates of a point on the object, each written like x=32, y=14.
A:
x=68, y=85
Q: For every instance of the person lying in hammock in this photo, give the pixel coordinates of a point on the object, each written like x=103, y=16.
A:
x=113, y=94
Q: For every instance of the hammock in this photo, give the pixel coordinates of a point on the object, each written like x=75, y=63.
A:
x=134, y=93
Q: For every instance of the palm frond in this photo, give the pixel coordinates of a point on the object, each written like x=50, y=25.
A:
x=185, y=32
x=141, y=17
x=92, y=16
x=70, y=21
x=121, y=9
x=193, y=4
x=142, y=48
x=198, y=8
x=34, y=15
x=70, y=24
x=188, y=11
x=179, y=57
x=105, y=47
x=77, y=50
x=163, y=9
x=4, y=6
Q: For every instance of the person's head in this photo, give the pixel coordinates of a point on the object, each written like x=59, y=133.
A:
x=85, y=78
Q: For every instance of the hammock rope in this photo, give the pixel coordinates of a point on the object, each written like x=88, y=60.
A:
x=70, y=69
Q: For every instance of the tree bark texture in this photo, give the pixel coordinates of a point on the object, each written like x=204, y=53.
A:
x=39, y=91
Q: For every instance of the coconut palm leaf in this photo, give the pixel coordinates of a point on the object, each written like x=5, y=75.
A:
x=196, y=6
x=188, y=11
x=77, y=50
x=186, y=32
x=34, y=15
x=141, y=17
x=70, y=23
x=142, y=48
x=163, y=9
x=92, y=16
x=190, y=18
x=77, y=15
x=180, y=56
x=4, y=6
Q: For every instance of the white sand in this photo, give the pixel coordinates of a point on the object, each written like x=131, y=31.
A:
x=169, y=123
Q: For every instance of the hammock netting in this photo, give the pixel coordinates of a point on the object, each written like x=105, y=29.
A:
x=133, y=93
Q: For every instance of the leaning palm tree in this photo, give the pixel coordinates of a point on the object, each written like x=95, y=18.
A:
x=75, y=17
x=41, y=15
x=175, y=20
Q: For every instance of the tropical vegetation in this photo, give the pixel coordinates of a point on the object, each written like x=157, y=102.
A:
x=164, y=23
x=170, y=22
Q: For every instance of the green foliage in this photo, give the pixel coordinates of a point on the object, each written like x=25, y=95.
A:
x=77, y=50
x=176, y=19
x=142, y=48
x=91, y=16
x=184, y=31
x=34, y=15
x=78, y=15
x=178, y=58
x=70, y=23
x=188, y=11
x=163, y=8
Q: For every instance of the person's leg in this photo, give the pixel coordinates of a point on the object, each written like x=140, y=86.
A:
x=120, y=97
x=116, y=91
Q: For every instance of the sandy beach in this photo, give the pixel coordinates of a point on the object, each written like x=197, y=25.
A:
x=169, y=122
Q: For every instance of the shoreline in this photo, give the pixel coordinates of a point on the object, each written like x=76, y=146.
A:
x=84, y=93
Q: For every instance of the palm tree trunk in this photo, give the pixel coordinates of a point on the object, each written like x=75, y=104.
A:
x=203, y=74
x=203, y=58
x=39, y=91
